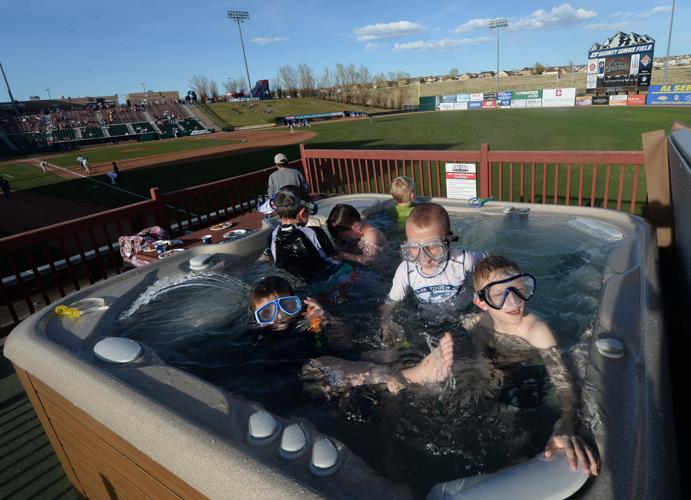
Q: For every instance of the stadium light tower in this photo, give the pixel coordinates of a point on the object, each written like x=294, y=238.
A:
x=49, y=97
x=498, y=24
x=669, y=42
x=240, y=16
x=9, y=91
x=143, y=84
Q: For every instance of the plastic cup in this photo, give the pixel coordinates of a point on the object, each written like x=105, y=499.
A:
x=206, y=239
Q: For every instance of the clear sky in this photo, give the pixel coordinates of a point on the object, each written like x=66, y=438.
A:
x=103, y=47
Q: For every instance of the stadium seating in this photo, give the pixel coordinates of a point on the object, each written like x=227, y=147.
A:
x=118, y=130
x=91, y=132
x=28, y=141
x=143, y=127
x=191, y=124
x=65, y=134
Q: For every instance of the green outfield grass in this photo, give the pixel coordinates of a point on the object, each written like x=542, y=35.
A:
x=139, y=149
x=604, y=129
x=540, y=129
x=257, y=115
x=27, y=176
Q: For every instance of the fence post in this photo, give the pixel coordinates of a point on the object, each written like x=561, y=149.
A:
x=485, y=170
x=162, y=218
x=305, y=170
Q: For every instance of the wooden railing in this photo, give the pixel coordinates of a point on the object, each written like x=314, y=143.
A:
x=40, y=266
x=596, y=178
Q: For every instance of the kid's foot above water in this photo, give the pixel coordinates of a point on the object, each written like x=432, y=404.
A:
x=435, y=367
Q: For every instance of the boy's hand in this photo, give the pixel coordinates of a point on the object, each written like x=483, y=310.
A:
x=577, y=452
x=316, y=316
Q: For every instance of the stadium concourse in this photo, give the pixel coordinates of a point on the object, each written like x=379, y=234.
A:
x=65, y=124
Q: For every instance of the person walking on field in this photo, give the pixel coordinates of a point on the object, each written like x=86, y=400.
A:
x=85, y=164
x=114, y=175
x=5, y=187
x=44, y=165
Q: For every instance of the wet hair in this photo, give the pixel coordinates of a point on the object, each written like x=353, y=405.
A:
x=491, y=265
x=401, y=189
x=342, y=218
x=267, y=287
x=288, y=201
x=427, y=214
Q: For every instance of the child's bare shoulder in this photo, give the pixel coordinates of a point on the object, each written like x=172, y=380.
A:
x=537, y=332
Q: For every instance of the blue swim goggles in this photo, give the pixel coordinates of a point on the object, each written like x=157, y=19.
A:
x=494, y=294
x=266, y=314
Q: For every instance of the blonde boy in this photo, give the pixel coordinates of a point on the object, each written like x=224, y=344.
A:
x=501, y=292
x=403, y=193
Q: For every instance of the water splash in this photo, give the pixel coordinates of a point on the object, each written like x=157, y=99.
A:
x=170, y=283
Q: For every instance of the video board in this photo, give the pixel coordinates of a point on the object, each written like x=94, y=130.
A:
x=620, y=64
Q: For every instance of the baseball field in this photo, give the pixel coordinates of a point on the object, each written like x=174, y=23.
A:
x=178, y=163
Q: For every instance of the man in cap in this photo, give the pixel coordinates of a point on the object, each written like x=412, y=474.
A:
x=285, y=176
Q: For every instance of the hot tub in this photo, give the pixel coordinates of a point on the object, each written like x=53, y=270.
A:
x=146, y=428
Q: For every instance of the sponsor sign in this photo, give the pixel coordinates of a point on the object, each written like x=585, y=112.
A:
x=448, y=98
x=620, y=69
x=526, y=94
x=460, y=106
x=446, y=106
x=591, y=81
x=519, y=103
x=618, y=100
x=476, y=97
x=489, y=104
x=635, y=100
x=584, y=100
x=501, y=96
x=533, y=103
x=462, y=97
x=489, y=95
x=553, y=98
x=678, y=94
x=475, y=105
x=504, y=103
x=461, y=181
x=600, y=100
x=592, y=66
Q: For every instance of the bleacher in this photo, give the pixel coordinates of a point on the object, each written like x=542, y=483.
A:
x=118, y=130
x=65, y=134
x=27, y=141
x=191, y=124
x=91, y=132
x=143, y=127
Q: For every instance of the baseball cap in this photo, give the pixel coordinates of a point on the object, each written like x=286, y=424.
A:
x=280, y=158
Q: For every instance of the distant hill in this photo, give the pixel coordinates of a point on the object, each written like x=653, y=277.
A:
x=240, y=114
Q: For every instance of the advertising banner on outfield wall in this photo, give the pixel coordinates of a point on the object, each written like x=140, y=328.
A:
x=584, y=100
x=552, y=98
x=448, y=98
x=475, y=105
x=520, y=103
x=489, y=104
x=526, y=94
x=462, y=97
x=533, y=103
x=504, y=103
x=635, y=100
x=476, y=97
x=678, y=94
x=600, y=100
x=461, y=181
x=446, y=106
x=460, y=106
x=618, y=100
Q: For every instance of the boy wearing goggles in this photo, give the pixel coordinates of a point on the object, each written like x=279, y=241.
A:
x=504, y=325
x=275, y=307
x=434, y=272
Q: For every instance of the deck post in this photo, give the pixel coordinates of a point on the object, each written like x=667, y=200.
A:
x=485, y=170
x=161, y=212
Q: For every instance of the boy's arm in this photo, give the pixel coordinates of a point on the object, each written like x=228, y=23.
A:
x=392, y=332
x=338, y=333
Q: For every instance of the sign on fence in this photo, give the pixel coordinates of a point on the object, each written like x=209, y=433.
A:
x=678, y=94
x=600, y=100
x=552, y=98
x=461, y=181
x=618, y=100
x=476, y=97
x=460, y=106
x=584, y=100
x=635, y=100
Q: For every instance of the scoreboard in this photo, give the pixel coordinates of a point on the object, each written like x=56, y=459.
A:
x=623, y=67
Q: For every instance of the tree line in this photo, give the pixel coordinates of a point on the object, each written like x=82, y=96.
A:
x=343, y=83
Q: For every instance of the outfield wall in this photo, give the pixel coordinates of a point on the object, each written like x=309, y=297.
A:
x=678, y=94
